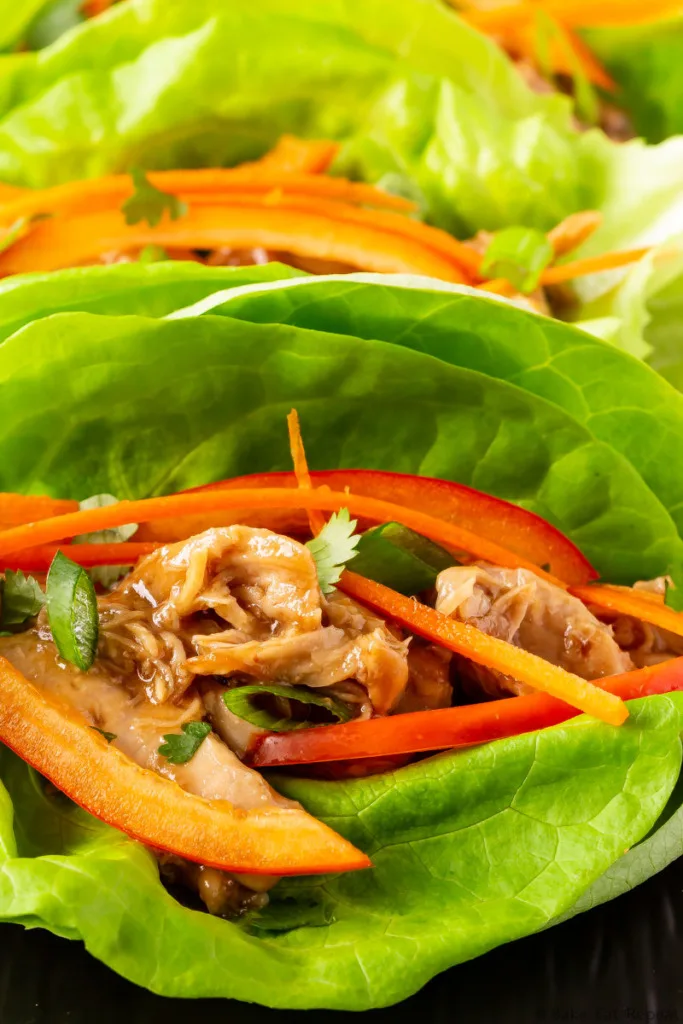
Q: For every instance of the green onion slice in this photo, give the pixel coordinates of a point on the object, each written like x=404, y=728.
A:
x=72, y=611
x=238, y=700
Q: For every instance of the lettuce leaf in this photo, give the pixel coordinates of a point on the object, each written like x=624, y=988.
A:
x=621, y=401
x=469, y=850
x=366, y=403
x=125, y=288
x=419, y=93
x=646, y=61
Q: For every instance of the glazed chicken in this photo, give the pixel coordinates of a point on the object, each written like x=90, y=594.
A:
x=525, y=610
x=229, y=606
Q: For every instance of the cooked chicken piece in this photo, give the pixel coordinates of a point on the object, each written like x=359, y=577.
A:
x=240, y=601
x=429, y=684
x=646, y=644
x=517, y=606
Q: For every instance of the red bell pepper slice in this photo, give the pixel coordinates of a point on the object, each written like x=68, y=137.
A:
x=77, y=760
x=500, y=521
x=421, y=731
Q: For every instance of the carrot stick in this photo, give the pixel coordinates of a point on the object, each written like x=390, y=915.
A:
x=48, y=531
x=467, y=640
x=316, y=520
x=389, y=246
x=299, y=156
x=639, y=604
x=592, y=265
x=571, y=232
x=22, y=508
x=39, y=559
x=108, y=193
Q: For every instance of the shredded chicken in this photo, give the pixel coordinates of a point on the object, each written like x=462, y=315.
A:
x=517, y=606
x=646, y=644
x=243, y=602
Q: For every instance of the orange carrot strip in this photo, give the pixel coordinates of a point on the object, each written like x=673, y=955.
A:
x=299, y=156
x=497, y=286
x=22, y=508
x=483, y=649
x=91, y=8
x=56, y=243
x=625, y=601
x=316, y=520
x=10, y=193
x=108, y=193
x=584, y=13
x=39, y=559
x=571, y=232
x=457, y=538
x=592, y=265
x=517, y=28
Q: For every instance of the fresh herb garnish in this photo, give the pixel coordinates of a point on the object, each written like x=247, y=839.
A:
x=72, y=611
x=149, y=203
x=520, y=255
x=109, y=736
x=239, y=701
x=180, y=748
x=334, y=546
x=22, y=598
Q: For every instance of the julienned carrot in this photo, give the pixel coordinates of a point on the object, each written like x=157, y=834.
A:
x=467, y=640
x=639, y=604
x=592, y=265
x=516, y=25
x=39, y=559
x=580, y=13
x=571, y=232
x=299, y=156
x=343, y=235
x=108, y=193
x=25, y=508
x=316, y=519
x=49, y=531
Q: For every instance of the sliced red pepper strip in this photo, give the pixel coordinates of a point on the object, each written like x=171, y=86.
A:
x=39, y=559
x=421, y=731
x=640, y=604
x=101, y=779
x=479, y=647
x=521, y=532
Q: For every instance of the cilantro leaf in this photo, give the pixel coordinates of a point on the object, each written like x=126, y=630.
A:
x=149, y=203
x=334, y=546
x=22, y=598
x=109, y=736
x=181, y=748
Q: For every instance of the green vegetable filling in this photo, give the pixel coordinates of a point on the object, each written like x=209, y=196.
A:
x=242, y=702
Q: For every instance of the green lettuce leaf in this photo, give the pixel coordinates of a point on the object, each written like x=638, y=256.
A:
x=366, y=403
x=469, y=850
x=646, y=61
x=16, y=19
x=620, y=401
x=153, y=289
x=420, y=96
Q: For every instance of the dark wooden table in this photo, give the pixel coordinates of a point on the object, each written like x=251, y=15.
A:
x=622, y=962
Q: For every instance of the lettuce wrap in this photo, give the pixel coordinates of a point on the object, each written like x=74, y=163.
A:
x=471, y=849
